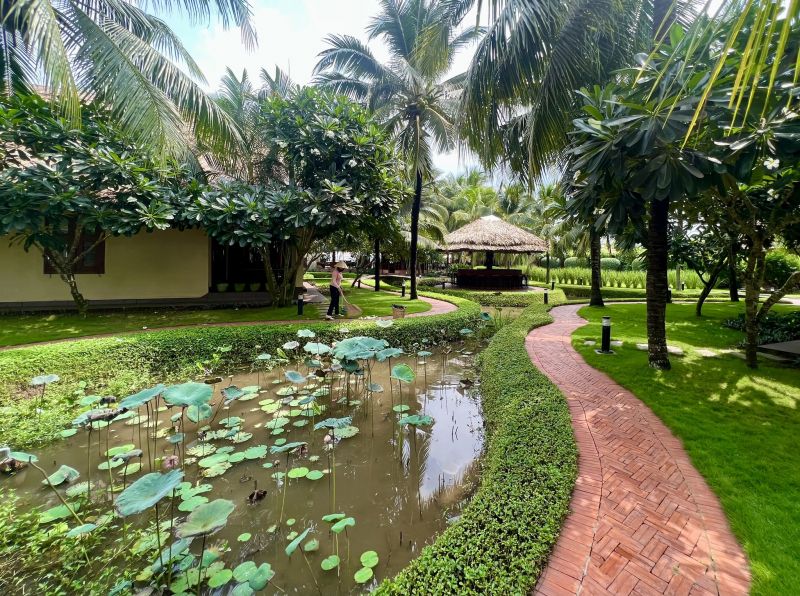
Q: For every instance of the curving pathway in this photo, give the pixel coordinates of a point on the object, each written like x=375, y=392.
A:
x=642, y=520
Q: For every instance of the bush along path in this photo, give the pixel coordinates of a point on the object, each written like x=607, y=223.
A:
x=642, y=519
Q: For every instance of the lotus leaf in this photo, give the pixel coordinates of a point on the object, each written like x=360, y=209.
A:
x=291, y=345
x=332, y=517
x=147, y=491
x=403, y=373
x=388, y=353
x=188, y=394
x=291, y=521
x=216, y=470
x=192, y=503
x=384, y=323
x=251, y=389
x=44, y=380
x=299, y=472
x=334, y=423
x=242, y=590
x=369, y=558
x=232, y=392
x=198, y=413
x=375, y=388
x=231, y=421
x=294, y=377
x=213, y=460
x=278, y=475
x=330, y=562
x=237, y=457
x=401, y=408
x=80, y=530
x=277, y=423
x=260, y=579
x=88, y=400
x=317, y=349
x=286, y=447
x=244, y=571
x=57, y=512
x=284, y=391
x=176, y=438
x=120, y=449
x=292, y=546
x=314, y=475
x=201, y=450
x=130, y=469
x=256, y=452
x=313, y=363
x=137, y=400
x=110, y=464
x=244, y=537
x=416, y=420
x=241, y=437
x=171, y=552
x=68, y=432
x=78, y=489
x=220, y=578
x=345, y=432
x=342, y=524
x=311, y=546
x=188, y=491
x=22, y=456
x=63, y=474
x=264, y=357
x=206, y=519
x=424, y=353
x=305, y=333
x=363, y=575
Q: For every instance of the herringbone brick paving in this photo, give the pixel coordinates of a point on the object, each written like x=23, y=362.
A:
x=642, y=520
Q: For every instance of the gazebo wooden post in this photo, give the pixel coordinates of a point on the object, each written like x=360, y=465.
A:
x=489, y=259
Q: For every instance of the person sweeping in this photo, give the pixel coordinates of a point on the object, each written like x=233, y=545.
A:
x=336, y=289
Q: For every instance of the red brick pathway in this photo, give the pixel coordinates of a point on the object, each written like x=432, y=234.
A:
x=642, y=520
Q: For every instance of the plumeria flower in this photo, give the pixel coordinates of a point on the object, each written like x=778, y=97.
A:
x=315, y=151
x=282, y=144
x=330, y=134
x=352, y=163
x=771, y=163
x=772, y=193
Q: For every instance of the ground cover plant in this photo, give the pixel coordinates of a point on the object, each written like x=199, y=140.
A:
x=738, y=425
x=122, y=365
x=502, y=541
x=18, y=329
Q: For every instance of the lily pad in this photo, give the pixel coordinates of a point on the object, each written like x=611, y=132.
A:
x=256, y=452
x=330, y=562
x=196, y=413
x=244, y=537
x=375, y=388
x=317, y=349
x=137, y=400
x=260, y=579
x=277, y=423
x=216, y=470
x=291, y=345
x=78, y=489
x=314, y=475
x=345, y=432
x=24, y=457
x=332, y=517
x=220, y=578
x=206, y=519
x=299, y=472
x=192, y=503
x=242, y=590
x=311, y=546
x=110, y=464
x=80, y=530
x=403, y=373
x=147, y=491
x=401, y=408
x=363, y=575
x=369, y=558
x=68, y=432
x=416, y=420
x=305, y=333
x=244, y=571
x=212, y=460
x=57, y=512
x=232, y=392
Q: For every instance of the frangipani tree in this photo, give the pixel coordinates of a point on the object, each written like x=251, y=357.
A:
x=65, y=190
x=327, y=168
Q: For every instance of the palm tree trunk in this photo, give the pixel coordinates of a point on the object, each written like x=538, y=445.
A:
x=657, y=284
x=596, y=297
x=377, y=276
x=414, y=234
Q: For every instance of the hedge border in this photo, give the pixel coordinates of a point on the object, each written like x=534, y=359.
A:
x=121, y=365
x=501, y=543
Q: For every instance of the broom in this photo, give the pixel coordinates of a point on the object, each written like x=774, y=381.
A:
x=351, y=311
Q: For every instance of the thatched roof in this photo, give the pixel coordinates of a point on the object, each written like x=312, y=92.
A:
x=492, y=233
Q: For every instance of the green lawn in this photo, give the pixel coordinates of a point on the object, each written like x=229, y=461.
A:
x=29, y=328
x=740, y=426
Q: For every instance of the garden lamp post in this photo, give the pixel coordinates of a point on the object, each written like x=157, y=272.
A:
x=546, y=300
x=605, y=341
x=300, y=304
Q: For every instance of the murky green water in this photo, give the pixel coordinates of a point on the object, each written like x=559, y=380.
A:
x=401, y=484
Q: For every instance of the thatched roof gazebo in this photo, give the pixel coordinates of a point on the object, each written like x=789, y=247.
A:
x=491, y=235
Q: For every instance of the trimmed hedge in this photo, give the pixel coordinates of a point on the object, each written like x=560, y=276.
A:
x=583, y=292
x=126, y=364
x=501, y=542
x=518, y=299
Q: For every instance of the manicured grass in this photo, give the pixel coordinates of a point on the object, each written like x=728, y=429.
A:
x=740, y=426
x=31, y=328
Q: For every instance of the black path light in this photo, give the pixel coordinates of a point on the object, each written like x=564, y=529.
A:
x=605, y=342
x=300, y=304
x=403, y=289
x=546, y=301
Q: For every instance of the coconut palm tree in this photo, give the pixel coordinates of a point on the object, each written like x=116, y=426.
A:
x=117, y=53
x=412, y=94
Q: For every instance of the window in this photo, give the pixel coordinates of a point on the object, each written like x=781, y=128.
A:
x=93, y=261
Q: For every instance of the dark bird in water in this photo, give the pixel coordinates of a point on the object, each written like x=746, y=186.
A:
x=255, y=496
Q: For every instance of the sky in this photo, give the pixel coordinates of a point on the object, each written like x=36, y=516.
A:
x=291, y=33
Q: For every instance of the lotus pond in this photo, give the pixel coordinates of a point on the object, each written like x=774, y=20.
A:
x=321, y=469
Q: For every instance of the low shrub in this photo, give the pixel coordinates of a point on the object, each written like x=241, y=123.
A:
x=774, y=328
x=513, y=299
x=582, y=276
x=502, y=541
x=610, y=264
x=126, y=364
x=583, y=293
x=575, y=262
x=780, y=264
